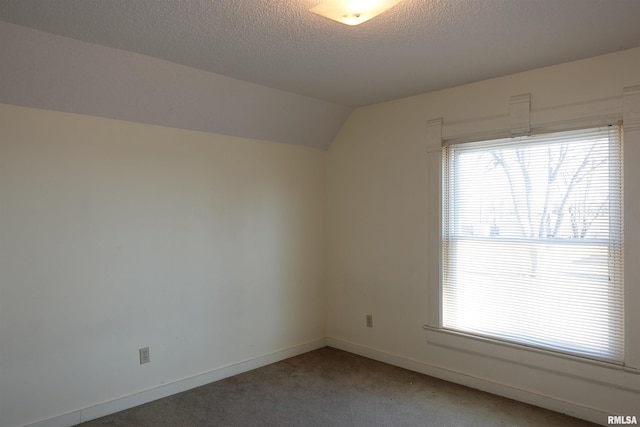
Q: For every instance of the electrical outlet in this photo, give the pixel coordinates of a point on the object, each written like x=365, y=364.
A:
x=144, y=355
x=369, y=320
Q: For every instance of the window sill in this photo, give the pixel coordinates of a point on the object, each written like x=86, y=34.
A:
x=593, y=371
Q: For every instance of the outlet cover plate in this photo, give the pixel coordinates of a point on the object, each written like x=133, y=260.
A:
x=144, y=355
x=369, y=320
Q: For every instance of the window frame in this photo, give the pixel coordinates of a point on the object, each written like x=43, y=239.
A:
x=451, y=172
x=566, y=117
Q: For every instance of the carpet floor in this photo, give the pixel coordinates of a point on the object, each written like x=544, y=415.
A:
x=329, y=387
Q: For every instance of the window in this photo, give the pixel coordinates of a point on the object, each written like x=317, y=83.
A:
x=532, y=241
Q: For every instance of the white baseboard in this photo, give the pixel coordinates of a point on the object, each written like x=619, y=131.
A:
x=570, y=408
x=165, y=390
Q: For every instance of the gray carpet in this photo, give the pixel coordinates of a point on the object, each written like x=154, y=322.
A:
x=329, y=387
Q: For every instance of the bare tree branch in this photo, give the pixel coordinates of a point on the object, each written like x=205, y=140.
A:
x=577, y=176
x=499, y=160
x=524, y=168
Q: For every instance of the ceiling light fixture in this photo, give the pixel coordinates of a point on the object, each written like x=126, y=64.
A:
x=353, y=12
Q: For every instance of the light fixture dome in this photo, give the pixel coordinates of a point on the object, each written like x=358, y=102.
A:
x=353, y=12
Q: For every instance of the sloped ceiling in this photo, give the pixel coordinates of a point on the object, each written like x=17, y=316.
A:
x=416, y=47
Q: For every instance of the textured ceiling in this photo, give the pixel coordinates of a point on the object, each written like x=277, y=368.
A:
x=418, y=46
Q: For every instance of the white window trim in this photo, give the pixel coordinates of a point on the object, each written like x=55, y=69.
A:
x=583, y=114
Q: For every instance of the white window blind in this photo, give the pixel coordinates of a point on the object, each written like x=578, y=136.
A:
x=532, y=241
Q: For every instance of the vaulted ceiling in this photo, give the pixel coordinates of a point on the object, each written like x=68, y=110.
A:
x=418, y=46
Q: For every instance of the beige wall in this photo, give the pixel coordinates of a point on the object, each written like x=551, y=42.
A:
x=116, y=235
x=380, y=243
